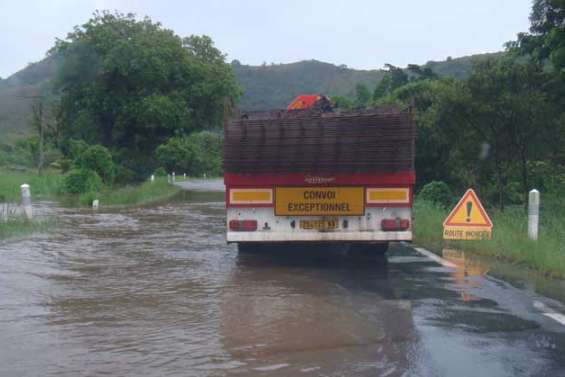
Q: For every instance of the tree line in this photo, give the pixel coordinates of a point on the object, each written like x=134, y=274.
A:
x=132, y=87
x=154, y=99
x=502, y=129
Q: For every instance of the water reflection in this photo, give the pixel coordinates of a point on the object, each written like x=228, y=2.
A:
x=311, y=312
x=468, y=274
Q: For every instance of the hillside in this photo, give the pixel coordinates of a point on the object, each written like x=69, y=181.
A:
x=274, y=86
x=265, y=87
x=16, y=92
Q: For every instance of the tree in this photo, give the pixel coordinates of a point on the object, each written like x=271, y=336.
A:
x=421, y=73
x=131, y=84
x=341, y=102
x=199, y=153
x=503, y=114
x=393, y=79
x=38, y=123
x=546, y=39
x=362, y=94
x=435, y=158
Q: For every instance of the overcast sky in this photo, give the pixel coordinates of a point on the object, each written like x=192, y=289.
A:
x=359, y=33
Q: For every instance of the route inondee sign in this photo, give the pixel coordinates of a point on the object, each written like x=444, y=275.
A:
x=468, y=220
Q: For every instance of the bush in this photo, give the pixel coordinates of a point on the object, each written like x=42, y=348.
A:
x=208, y=153
x=199, y=153
x=176, y=154
x=160, y=172
x=87, y=198
x=124, y=175
x=437, y=192
x=79, y=181
x=98, y=159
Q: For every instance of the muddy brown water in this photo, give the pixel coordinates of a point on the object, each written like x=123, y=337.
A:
x=155, y=291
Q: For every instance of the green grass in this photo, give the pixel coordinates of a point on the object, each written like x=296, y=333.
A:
x=145, y=193
x=17, y=227
x=510, y=237
x=48, y=186
x=45, y=186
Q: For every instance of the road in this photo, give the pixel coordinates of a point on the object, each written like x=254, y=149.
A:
x=155, y=291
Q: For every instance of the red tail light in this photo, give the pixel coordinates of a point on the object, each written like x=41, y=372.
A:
x=243, y=225
x=392, y=225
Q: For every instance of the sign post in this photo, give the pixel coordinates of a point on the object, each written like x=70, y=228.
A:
x=468, y=220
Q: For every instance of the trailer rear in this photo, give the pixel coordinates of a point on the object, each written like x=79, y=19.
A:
x=320, y=176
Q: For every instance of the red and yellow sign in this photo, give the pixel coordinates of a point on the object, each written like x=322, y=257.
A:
x=468, y=220
x=319, y=201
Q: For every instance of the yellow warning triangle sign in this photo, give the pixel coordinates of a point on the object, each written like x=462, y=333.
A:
x=469, y=212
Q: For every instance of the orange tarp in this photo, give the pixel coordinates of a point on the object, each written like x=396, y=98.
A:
x=303, y=101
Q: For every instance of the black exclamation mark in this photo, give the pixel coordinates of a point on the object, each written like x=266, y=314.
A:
x=469, y=208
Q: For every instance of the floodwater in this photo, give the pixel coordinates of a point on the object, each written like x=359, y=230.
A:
x=155, y=291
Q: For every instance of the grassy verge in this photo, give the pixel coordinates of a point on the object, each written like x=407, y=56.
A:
x=17, y=226
x=510, y=237
x=44, y=186
x=145, y=193
x=49, y=186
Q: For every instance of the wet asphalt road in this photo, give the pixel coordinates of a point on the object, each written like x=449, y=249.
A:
x=155, y=291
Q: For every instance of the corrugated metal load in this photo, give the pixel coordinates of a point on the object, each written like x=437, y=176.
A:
x=311, y=141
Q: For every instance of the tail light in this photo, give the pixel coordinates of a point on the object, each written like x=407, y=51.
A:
x=243, y=225
x=393, y=225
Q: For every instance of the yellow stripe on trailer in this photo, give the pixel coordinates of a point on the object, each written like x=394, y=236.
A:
x=251, y=196
x=388, y=195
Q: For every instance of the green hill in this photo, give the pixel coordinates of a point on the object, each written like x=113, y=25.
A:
x=264, y=87
x=274, y=86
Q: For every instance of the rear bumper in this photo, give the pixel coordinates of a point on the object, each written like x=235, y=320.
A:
x=370, y=236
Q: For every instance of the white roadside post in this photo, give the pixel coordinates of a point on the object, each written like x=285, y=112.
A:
x=4, y=212
x=95, y=204
x=184, y=176
x=26, y=201
x=533, y=214
x=173, y=177
x=152, y=178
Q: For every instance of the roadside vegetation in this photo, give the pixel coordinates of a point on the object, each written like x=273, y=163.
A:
x=46, y=186
x=509, y=241
x=17, y=226
x=128, y=98
x=145, y=193
x=500, y=130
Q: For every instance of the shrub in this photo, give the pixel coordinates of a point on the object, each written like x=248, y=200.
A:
x=98, y=159
x=124, y=175
x=87, y=198
x=208, y=153
x=66, y=164
x=200, y=152
x=160, y=172
x=176, y=154
x=72, y=148
x=78, y=181
x=437, y=192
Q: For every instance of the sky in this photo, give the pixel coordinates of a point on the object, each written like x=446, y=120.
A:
x=362, y=34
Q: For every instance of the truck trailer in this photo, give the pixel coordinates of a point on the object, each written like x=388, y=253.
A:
x=314, y=174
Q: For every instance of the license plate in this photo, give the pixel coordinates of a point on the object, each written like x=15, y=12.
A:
x=319, y=201
x=319, y=224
